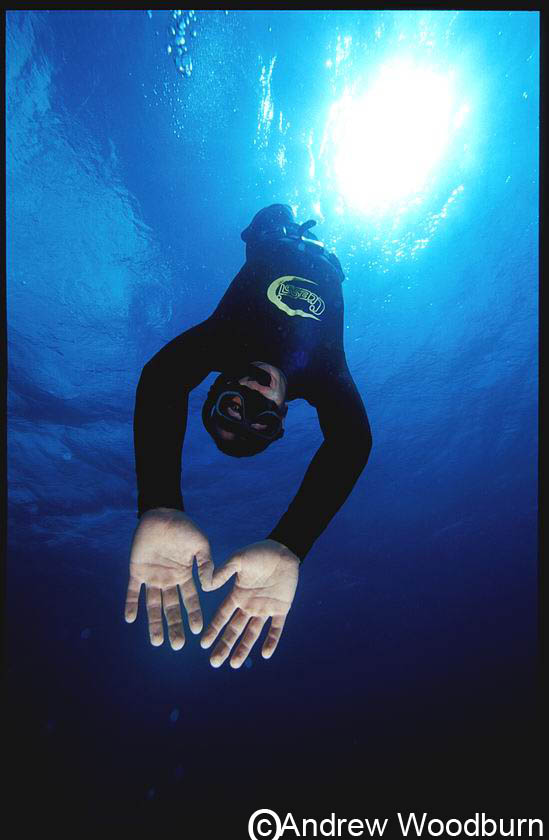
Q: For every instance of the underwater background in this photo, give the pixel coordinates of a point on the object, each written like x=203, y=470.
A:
x=407, y=666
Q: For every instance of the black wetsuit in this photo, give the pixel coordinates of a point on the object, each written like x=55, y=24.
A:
x=258, y=320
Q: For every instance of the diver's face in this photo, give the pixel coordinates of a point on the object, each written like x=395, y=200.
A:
x=275, y=391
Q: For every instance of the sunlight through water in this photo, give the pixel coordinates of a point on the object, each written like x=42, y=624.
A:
x=385, y=143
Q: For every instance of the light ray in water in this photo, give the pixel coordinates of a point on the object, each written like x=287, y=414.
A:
x=385, y=144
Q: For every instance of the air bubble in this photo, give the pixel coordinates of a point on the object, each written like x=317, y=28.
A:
x=178, y=37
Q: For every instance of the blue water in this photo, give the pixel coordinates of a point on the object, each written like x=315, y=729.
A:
x=412, y=638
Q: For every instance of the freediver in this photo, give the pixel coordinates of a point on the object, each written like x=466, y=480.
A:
x=276, y=336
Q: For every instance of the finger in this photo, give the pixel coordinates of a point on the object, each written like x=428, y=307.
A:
x=154, y=612
x=273, y=637
x=172, y=611
x=223, y=574
x=219, y=620
x=205, y=569
x=229, y=637
x=132, y=599
x=249, y=639
x=192, y=605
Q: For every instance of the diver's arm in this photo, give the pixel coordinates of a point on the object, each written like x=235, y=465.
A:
x=335, y=467
x=160, y=416
x=167, y=542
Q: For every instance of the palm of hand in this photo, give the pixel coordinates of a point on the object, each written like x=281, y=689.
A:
x=264, y=586
x=266, y=581
x=160, y=564
x=165, y=546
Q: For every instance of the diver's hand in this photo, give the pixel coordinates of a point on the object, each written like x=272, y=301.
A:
x=266, y=580
x=165, y=545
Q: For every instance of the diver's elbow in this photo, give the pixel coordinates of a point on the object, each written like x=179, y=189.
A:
x=366, y=443
x=146, y=379
x=358, y=446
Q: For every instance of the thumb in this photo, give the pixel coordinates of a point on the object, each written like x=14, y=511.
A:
x=205, y=569
x=223, y=574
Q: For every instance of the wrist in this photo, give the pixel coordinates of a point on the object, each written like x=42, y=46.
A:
x=158, y=501
x=286, y=551
x=162, y=513
x=287, y=547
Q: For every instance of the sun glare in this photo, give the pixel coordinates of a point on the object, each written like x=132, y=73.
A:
x=387, y=141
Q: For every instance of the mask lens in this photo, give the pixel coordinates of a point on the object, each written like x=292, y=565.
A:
x=229, y=405
x=269, y=422
x=239, y=408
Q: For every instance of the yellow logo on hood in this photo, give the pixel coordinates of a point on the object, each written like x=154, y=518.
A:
x=285, y=287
